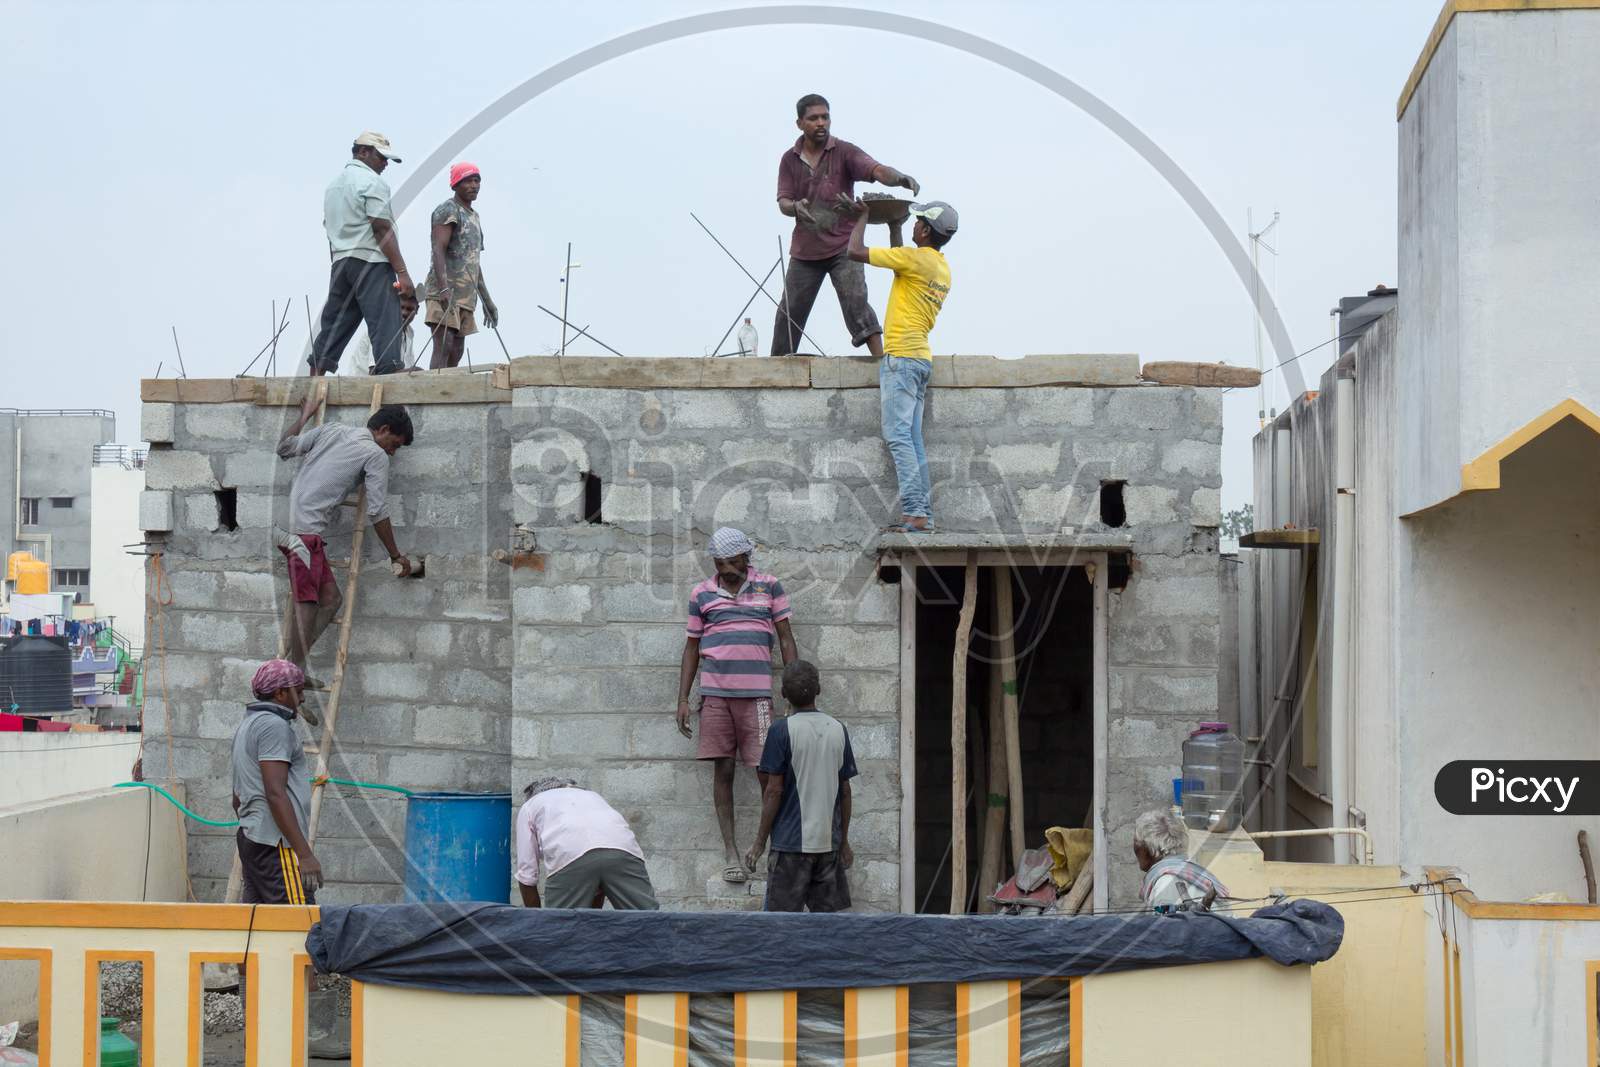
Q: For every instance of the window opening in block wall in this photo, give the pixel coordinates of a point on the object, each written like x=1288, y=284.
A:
x=591, y=498
x=1112, y=510
x=227, y=509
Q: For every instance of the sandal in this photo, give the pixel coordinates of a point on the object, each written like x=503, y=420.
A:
x=735, y=874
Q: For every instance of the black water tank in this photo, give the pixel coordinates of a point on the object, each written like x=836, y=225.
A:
x=36, y=675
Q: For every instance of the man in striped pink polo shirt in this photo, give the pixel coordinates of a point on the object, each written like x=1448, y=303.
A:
x=734, y=618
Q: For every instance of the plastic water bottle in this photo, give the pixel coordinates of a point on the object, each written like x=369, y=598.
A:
x=1213, y=770
x=747, y=339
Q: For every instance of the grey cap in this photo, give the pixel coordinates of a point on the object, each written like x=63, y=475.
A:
x=939, y=216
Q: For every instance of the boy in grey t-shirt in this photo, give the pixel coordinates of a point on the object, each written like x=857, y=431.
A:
x=272, y=792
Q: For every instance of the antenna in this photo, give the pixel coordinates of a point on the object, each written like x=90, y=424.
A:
x=1257, y=243
x=566, y=293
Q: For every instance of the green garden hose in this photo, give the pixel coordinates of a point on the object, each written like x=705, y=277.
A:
x=235, y=822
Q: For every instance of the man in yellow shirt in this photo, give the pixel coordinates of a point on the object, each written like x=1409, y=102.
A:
x=921, y=282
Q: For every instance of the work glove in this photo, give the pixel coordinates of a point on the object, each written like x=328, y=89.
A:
x=292, y=543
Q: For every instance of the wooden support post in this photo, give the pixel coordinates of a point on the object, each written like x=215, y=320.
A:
x=993, y=805
x=958, y=740
x=1588, y=863
x=1008, y=689
x=330, y=716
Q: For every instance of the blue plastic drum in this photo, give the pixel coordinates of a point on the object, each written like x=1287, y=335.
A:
x=458, y=847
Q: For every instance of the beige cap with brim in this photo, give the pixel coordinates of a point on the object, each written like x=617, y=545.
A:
x=381, y=143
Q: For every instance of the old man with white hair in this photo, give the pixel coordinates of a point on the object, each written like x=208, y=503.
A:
x=1172, y=881
x=583, y=849
x=735, y=618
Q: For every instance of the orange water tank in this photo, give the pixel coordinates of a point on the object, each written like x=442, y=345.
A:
x=11, y=564
x=33, y=575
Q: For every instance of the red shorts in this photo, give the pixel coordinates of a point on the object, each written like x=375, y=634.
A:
x=307, y=580
x=734, y=726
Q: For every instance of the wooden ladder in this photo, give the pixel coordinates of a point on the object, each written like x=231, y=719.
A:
x=330, y=715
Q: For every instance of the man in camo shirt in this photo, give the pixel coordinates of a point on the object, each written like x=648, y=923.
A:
x=456, y=278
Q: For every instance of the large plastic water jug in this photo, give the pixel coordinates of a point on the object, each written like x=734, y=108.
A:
x=1213, y=770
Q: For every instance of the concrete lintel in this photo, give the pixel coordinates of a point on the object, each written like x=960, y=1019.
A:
x=1017, y=549
x=1201, y=375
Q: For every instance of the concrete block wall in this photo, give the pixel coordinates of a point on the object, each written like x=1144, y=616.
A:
x=563, y=655
x=428, y=683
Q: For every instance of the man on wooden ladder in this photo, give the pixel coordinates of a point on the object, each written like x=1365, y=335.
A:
x=337, y=458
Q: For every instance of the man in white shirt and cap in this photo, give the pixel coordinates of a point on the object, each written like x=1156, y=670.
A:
x=369, y=280
x=582, y=847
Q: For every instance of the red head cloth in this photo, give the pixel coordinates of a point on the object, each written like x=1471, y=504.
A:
x=461, y=171
x=276, y=674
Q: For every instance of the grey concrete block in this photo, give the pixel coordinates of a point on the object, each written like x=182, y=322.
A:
x=1109, y=457
x=561, y=603
x=1150, y=505
x=221, y=632
x=1187, y=692
x=965, y=407
x=665, y=459
x=847, y=460
x=1173, y=596
x=395, y=680
x=561, y=647
x=1202, y=459
x=1053, y=407
x=639, y=502
x=157, y=511
x=1205, y=507
x=1149, y=408
x=639, y=602
x=490, y=690
x=655, y=645
x=1024, y=461
x=710, y=410
x=587, y=737
x=656, y=736
x=258, y=468
x=170, y=468
x=874, y=739
x=540, y=689
x=450, y=726
x=221, y=423
x=636, y=690
x=1049, y=508
x=158, y=423
x=858, y=646
x=817, y=502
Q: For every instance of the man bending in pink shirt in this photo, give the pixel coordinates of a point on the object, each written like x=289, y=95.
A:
x=582, y=846
x=734, y=619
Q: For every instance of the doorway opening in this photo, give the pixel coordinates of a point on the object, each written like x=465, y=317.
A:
x=1052, y=633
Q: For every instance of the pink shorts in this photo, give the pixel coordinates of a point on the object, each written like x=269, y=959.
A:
x=307, y=581
x=734, y=726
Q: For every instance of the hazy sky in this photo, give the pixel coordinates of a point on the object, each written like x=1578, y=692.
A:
x=168, y=161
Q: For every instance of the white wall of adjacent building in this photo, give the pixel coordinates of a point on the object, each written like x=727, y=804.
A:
x=116, y=578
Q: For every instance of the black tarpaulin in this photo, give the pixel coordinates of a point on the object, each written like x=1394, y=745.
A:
x=495, y=948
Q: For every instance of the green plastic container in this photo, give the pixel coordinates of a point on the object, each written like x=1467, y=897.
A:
x=115, y=1048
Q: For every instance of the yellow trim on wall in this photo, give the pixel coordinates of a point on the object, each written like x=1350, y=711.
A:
x=299, y=967
x=252, y=999
x=1592, y=999
x=41, y=956
x=1471, y=906
x=1484, y=472
x=574, y=1029
x=358, y=1024
x=1444, y=965
x=1461, y=1043
x=91, y=1003
x=1075, y=1022
x=1449, y=12
x=280, y=918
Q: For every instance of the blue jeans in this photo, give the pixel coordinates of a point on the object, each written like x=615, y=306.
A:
x=902, y=386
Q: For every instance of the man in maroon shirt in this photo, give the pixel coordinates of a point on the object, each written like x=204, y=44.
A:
x=811, y=175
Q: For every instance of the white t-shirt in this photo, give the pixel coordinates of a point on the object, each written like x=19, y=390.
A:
x=557, y=826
